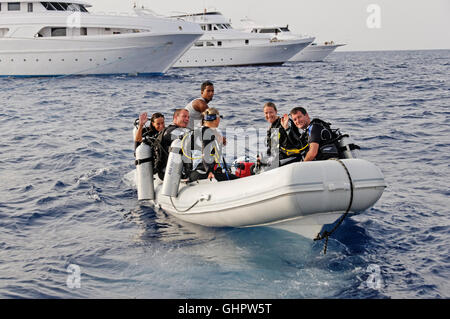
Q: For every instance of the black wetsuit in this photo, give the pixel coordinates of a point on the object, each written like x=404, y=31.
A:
x=150, y=132
x=288, y=140
x=162, y=144
x=320, y=132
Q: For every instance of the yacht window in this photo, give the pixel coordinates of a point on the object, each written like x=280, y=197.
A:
x=64, y=6
x=228, y=26
x=83, y=31
x=13, y=6
x=247, y=42
x=48, y=6
x=0, y=7
x=198, y=44
x=57, y=6
x=30, y=7
x=285, y=29
x=3, y=32
x=215, y=28
x=59, y=32
x=269, y=31
x=209, y=44
x=203, y=28
x=219, y=43
x=72, y=7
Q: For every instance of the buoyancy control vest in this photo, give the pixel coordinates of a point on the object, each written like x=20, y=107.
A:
x=289, y=142
x=330, y=140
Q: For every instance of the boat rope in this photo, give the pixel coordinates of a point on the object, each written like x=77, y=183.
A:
x=326, y=234
x=183, y=211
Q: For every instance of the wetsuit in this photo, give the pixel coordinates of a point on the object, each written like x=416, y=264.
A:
x=162, y=146
x=320, y=132
x=290, y=142
x=150, y=132
x=212, y=162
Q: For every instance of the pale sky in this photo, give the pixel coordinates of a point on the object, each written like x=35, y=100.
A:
x=364, y=25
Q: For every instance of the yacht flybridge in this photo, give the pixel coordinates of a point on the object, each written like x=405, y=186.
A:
x=312, y=53
x=221, y=45
x=39, y=38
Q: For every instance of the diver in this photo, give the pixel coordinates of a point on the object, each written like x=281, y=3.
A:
x=156, y=125
x=283, y=140
x=210, y=164
x=320, y=137
x=164, y=139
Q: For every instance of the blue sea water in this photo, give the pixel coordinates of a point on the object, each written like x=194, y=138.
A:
x=66, y=145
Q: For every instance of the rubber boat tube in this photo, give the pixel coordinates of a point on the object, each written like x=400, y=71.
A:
x=299, y=197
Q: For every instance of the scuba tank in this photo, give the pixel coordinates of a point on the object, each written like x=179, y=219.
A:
x=144, y=172
x=347, y=148
x=174, y=169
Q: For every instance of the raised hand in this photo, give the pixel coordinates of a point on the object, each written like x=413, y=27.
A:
x=285, y=121
x=143, y=118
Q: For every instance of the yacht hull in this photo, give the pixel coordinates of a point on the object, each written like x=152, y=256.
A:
x=272, y=53
x=315, y=53
x=140, y=53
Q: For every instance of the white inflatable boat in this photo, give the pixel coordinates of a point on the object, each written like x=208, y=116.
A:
x=299, y=197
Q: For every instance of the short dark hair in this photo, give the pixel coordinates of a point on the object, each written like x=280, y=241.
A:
x=205, y=84
x=297, y=109
x=270, y=104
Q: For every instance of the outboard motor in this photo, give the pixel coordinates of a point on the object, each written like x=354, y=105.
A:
x=347, y=147
x=174, y=169
x=144, y=172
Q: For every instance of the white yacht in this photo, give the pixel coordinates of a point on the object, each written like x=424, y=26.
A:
x=316, y=52
x=39, y=38
x=313, y=53
x=221, y=45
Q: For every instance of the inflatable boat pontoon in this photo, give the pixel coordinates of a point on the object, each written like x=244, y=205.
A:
x=299, y=197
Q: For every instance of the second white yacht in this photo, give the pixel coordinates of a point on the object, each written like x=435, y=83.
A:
x=221, y=45
x=39, y=38
x=316, y=52
x=313, y=53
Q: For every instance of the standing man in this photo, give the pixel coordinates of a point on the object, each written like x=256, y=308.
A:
x=200, y=105
x=318, y=134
